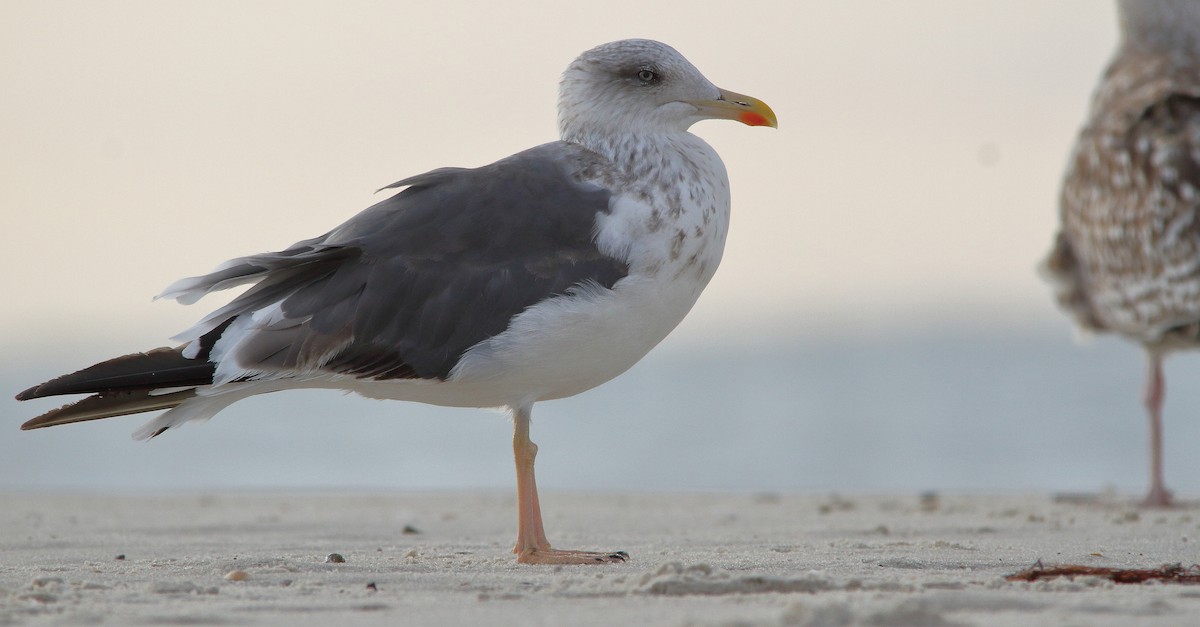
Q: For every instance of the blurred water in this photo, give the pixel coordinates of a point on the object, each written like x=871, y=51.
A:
x=968, y=410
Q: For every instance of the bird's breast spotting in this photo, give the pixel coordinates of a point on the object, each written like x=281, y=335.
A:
x=672, y=224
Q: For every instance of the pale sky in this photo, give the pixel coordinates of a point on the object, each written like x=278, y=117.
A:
x=913, y=179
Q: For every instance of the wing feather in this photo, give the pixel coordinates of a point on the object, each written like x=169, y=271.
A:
x=406, y=287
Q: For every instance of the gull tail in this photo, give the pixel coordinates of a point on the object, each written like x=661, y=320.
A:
x=159, y=379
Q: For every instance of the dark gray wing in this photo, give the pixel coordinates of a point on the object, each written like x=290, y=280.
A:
x=403, y=289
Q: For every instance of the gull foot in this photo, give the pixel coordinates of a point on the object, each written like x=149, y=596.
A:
x=556, y=556
x=1158, y=497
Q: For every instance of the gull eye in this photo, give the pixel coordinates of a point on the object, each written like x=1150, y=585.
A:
x=647, y=76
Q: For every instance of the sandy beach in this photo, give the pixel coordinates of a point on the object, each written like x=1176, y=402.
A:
x=697, y=559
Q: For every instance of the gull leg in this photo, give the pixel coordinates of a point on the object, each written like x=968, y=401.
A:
x=532, y=546
x=1153, y=397
x=530, y=533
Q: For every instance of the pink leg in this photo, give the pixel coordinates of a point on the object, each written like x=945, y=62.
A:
x=532, y=546
x=1158, y=496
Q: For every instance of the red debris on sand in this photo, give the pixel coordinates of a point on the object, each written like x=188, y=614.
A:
x=1167, y=573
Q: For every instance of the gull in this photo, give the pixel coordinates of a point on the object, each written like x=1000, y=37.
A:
x=537, y=277
x=1127, y=258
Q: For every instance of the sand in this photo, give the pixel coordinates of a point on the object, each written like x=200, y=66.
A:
x=443, y=558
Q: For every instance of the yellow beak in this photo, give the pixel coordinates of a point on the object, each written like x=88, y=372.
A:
x=734, y=106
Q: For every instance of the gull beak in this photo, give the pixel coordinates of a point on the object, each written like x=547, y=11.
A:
x=734, y=106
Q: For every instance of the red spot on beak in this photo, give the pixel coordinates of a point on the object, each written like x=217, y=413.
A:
x=750, y=118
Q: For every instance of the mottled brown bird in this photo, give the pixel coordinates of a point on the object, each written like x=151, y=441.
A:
x=1127, y=259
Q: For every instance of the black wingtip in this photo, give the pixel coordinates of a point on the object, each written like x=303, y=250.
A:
x=158, y=368
x=28, y=394
x=108, y=405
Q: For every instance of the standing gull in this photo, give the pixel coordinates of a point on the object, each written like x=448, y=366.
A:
x=1127, y=259
x=537, y=277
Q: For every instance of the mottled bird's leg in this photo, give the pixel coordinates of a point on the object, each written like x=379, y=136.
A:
x=532, y=546
x=1153, y=397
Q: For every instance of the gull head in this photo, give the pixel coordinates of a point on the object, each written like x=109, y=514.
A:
x=642, y=86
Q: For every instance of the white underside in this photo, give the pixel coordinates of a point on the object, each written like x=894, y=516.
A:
x=558, y=348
